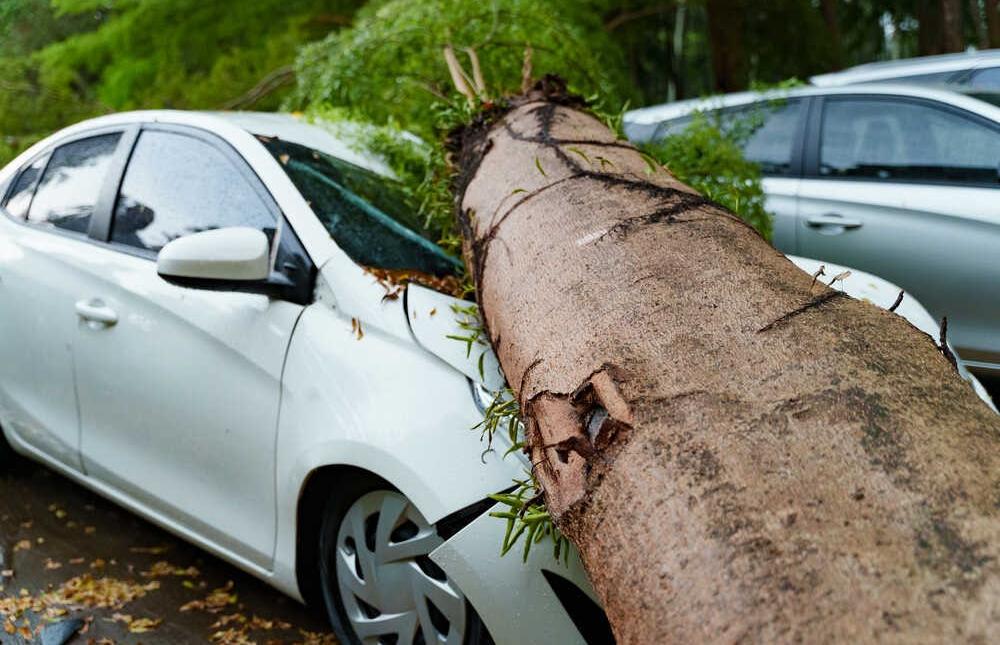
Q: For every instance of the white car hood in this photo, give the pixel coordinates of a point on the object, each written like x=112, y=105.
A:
x=436, y=324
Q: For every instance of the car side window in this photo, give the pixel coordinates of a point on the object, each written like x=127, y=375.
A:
x=176, y=185
x=67, y=192
x=766, y=131
x=904, y=140
x=23, y=188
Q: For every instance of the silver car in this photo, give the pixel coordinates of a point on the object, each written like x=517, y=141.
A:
x=977, y=70
x=900, y=181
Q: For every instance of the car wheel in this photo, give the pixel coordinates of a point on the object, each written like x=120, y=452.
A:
x=379, y=585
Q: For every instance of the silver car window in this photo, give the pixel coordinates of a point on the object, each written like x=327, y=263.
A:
x=903, y=140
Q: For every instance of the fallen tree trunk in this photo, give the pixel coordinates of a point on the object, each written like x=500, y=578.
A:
x=739, y=452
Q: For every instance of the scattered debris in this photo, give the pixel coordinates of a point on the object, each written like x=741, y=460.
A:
x=899, y=299
x=819, y=272
x=162, y=569
x=137, y=625
x=215, y=602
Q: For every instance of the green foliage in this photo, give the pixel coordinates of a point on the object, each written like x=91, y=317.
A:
x=528, y=517
x=181, y=53
x=390, y=65
x=420, y=167
x=65, y=60
x=708, y=158
x=389, y=70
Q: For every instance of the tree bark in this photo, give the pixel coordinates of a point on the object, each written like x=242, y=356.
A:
x=725, y=36
x=832, y=21
x=992, y=11
x=928, y=27
x=739, y=453
x=952, y=39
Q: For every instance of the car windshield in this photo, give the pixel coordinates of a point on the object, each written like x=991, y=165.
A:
x=366, y=214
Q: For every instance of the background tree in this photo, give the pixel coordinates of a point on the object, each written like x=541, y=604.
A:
x=64, y=60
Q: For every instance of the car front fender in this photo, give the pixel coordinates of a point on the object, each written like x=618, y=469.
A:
x=378, y=402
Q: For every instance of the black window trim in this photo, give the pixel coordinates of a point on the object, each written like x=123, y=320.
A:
x=815, y=132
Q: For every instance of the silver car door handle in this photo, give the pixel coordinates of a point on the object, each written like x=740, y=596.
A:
x=96, y=311
x=818, y=221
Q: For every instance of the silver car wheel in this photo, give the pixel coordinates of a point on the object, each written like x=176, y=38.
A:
x=391, y=591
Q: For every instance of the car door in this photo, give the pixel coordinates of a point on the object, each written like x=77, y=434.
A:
x=179, y=388
x=49, y=206
x=773, y=136
x=908, y=189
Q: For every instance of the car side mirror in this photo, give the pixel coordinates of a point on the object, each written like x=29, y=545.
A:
x=234, y=256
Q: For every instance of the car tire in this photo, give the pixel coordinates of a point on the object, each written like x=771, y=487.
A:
x=373, y=548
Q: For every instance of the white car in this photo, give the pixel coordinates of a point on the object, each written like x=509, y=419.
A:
x=900, y=181
x=974, y=69
x=193, y=324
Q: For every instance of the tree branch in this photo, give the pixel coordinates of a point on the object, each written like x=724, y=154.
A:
x=630, y=16
x=276, y=79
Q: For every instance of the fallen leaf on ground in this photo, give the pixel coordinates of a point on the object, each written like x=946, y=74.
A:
x=51, y=564
x=231, y=637
x=163, y=568
x=137, y=625
x=259, y=623
x=215, y=601
x=227, y=619
x=87, y=591
x=23, y=545
x=316, y=638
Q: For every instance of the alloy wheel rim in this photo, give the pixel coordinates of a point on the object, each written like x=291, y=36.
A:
x=392, y=592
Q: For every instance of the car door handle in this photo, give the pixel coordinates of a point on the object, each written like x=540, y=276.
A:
x=831, y=220
x=95, y=311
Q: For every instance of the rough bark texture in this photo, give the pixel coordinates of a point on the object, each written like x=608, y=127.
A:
x=725, y=35
x=992, y=21
x=739, y=454
x=832, y=22
x=952, y=39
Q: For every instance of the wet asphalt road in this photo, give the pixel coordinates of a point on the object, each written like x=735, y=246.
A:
x=66, y=553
